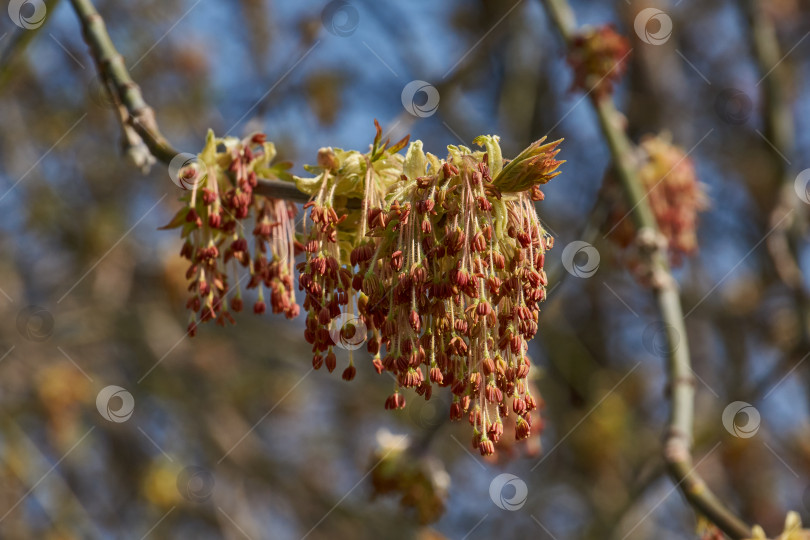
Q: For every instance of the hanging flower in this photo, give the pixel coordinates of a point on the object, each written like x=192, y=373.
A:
x=332, y=243
x=444, y=273
x=219, y=240
x=439, y=271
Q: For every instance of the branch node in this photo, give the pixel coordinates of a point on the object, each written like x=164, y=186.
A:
x=677, y=445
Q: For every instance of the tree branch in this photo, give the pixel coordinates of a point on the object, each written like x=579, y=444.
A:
x=137, y=117
x=780, y=132
x=678, y=438
x=18, y=43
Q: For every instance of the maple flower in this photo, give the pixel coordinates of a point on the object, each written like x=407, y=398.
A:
x=326, y=275
x=445, y=272
x=217, y=240
x=439, y=270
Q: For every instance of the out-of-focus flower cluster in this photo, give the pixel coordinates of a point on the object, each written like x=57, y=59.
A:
x=597, y=56
x=438, y=265
x=218, y=240
x=793, y=530
x=420, y=481
x=674, y=194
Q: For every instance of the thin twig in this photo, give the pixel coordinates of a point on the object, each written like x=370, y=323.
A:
x=137, y=117
x=122, y=89
x=678, y=439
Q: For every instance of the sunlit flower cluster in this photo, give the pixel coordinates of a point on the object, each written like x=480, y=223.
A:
x=215, y=223
x=442, y=266
x=435, y=265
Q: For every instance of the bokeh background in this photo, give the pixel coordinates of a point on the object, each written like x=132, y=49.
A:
x=232, y=435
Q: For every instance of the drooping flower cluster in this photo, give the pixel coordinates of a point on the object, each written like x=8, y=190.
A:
x=674, y=193
x=326, y=276
x=442, y=265
x=436, y=265
x=597, y=55
x=227, y=227
x=420, y=481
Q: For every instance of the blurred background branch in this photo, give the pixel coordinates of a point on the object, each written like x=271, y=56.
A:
x=786, y=219
x=678, y=439
x=17, y=43
x=143, y=141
